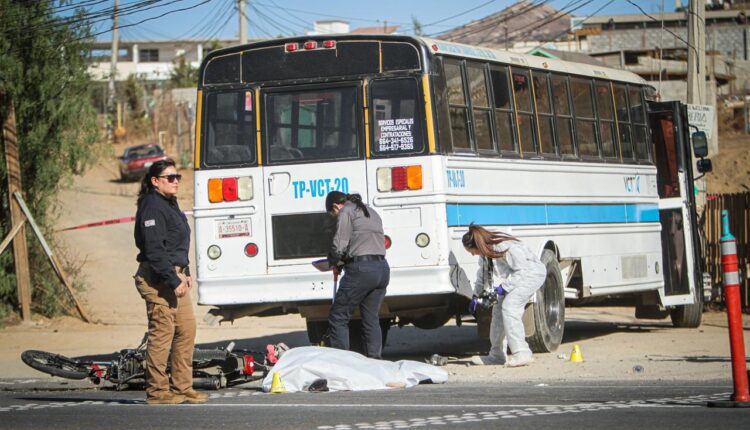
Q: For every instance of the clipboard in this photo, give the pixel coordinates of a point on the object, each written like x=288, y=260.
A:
x=323, y=265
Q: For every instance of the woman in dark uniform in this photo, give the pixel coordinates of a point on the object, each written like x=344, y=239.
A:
x=162, y=236
x=358, y=245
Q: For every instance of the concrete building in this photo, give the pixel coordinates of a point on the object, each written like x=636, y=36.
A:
x=149, y=60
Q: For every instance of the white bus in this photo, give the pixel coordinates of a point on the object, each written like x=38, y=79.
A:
x=435, y=135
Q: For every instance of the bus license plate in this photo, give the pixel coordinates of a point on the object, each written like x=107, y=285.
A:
x=232, y=228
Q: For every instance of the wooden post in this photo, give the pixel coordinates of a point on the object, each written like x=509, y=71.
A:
x=52, y=257
x=20, y=250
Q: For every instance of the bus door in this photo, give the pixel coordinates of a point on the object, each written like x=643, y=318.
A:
x=313, y=143
x=670, y=137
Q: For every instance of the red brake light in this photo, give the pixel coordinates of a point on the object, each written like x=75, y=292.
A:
x=311, y=44
x=387, y=242
x=291, y=47
x=249, y=366
x=229, y=189
x=399, y=179
x=251, y=250
x=329, y=44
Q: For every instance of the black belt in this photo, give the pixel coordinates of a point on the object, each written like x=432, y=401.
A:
x=368, y=258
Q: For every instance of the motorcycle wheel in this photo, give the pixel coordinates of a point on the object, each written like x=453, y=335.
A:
x=55, y=364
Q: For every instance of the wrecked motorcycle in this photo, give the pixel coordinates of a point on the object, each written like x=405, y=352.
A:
x=214, y=368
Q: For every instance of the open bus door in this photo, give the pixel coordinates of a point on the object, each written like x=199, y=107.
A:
x=677, y=213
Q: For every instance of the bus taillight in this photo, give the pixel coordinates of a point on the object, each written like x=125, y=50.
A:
x=230, y=189
x=291, y=47
x=251, y=249
x=399, y=178
x=245, y=188
x=215, y=194
x=311, y=44
x=328, y=44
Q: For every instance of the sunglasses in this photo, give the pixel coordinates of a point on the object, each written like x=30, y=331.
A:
x=171, y=178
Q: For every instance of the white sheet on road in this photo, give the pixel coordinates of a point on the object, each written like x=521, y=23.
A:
x=348, y=371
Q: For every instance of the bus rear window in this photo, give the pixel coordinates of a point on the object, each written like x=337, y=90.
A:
x=396, y=117
x=230, y=134
x=314, y=125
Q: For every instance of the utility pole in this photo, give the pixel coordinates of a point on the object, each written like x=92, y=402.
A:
x=696, y=90
x=20, y=248
x=243, y=22
x=112, y=76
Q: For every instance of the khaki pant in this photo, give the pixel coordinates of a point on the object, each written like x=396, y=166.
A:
x=171, y=325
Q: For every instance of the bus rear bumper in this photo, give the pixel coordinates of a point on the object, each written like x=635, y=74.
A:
x=278, y=289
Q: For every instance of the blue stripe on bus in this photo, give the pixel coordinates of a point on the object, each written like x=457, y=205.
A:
x=547, y=214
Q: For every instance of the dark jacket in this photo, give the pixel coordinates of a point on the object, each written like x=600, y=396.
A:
x=162, y=235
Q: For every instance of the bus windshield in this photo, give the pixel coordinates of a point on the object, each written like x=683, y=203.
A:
x=312, y=125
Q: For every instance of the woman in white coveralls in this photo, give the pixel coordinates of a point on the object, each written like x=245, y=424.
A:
x=509, y=269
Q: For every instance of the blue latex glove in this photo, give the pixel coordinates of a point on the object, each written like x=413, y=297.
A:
x=473, y=305
x=499, y=290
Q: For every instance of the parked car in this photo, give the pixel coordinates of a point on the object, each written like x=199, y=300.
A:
x=136, y=160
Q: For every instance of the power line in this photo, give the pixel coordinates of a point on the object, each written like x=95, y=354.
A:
x=216, y=24
x=555, y=17
x=459, y=14
x=89, y=18
x=471, y=28
x=580, y=23
x=295, y=27
x=665, y=29
x=149, y=19
x=300, y=20
x=282, y=28
x=327, y=15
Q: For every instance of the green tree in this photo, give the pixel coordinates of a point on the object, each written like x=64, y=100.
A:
x=43, y=73
x=183, y=74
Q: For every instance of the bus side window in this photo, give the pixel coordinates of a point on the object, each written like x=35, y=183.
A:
x=397, y=119
x=606, y=120
x=524, y=111
x=623, y=123
x=638, y=118
x=503, y=100
x=583, y=106
x=563, y=115
x=440, y=92
x=457, y=105
x=544, y=114
x=480, y=106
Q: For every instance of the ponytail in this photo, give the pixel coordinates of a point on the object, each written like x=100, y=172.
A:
x=483, y=240
x=357, y=200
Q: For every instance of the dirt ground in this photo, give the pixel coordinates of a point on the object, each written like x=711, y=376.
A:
x=731, y=167
x=615, y=345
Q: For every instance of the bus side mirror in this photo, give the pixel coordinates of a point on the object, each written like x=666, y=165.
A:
x=700, y=144
x=704, y=165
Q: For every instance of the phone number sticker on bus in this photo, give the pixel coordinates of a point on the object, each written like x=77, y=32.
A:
x=319, y=187
x=396, y=134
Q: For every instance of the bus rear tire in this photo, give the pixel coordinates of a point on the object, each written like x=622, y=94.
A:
x=548, y=312
x=689, y=316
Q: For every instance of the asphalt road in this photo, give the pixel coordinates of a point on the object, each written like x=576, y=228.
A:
x=673, y=405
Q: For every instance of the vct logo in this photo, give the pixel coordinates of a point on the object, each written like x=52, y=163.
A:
x=632, y=184
x=456, y=179
x=319, y=187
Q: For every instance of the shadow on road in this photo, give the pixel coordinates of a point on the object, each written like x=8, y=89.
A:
x=413, y=343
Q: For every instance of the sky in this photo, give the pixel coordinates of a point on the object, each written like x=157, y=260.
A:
x=208, y=19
